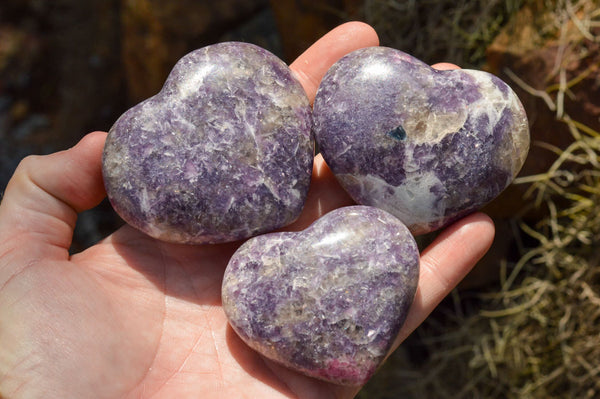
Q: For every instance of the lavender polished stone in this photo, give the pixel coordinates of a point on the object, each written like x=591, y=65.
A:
x=327, y=301
x=222, y=153
x=428, y=146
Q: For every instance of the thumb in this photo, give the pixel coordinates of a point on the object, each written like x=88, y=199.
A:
x=42, y=199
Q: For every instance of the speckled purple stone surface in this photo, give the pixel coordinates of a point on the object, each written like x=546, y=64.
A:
x=222, y=153
x=328, y=301
x=428, y=146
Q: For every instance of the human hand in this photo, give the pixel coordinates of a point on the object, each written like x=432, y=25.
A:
x=136, y=317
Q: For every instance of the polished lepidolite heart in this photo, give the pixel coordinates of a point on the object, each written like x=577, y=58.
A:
x=428, y=146
x=222, y=153
x=327, y=301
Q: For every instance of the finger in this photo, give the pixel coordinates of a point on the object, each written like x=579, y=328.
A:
x=310, y=67
x=445, y=263
x=43, y=197
x=445, y=66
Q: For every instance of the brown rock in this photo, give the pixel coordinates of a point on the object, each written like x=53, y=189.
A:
x=59, y=74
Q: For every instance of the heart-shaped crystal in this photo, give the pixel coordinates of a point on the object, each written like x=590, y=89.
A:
x=223, y=152
x=428, y=146
x=327, y=301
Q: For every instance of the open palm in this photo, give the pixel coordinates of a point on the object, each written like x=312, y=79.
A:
x=136, y=317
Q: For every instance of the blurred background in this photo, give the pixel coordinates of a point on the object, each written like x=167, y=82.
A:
x=526, y=322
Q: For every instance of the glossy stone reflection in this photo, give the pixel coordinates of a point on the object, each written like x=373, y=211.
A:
x=223, y=152
x=428, y=146
x=327, y=301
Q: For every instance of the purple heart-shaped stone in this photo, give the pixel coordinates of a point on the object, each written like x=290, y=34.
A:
x=327, y=301
x=428, y=146
x=223, y=152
